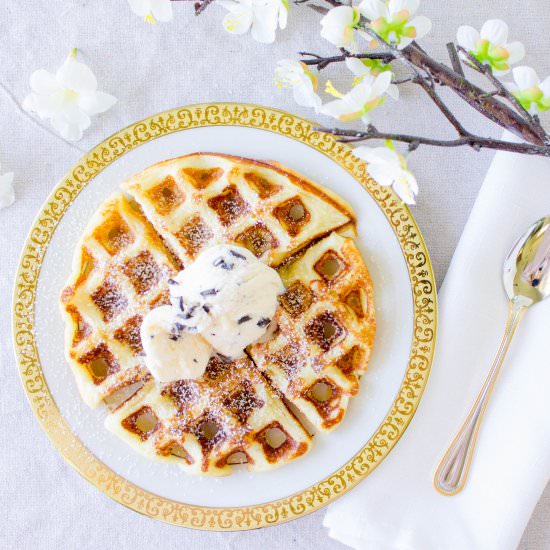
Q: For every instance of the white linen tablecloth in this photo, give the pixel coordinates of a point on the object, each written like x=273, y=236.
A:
x=44, y=503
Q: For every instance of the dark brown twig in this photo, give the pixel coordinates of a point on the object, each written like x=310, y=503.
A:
x=403, y=80
x=455, y=60
x=318, y=9
x=322, y=62
x=476, y=142
x=201, y=6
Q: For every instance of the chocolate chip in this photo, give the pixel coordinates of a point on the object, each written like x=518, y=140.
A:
x=206, y=308
x=244, y=319
x=176, y=331
x=263, y=322
x=191, y=312
x=182, y=303
x=220, y=262
x=209, y=292
x=194, y=360
x=237, y=255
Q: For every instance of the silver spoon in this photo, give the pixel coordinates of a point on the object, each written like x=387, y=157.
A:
x=526, y=279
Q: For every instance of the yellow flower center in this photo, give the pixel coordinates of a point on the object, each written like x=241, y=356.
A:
x=69, y=95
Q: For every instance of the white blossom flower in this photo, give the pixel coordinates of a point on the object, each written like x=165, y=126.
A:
x=261, y=17
x=339, y=26
x=527, y=88
x=389, y=169
x=393, y=20
x=295, y=75
x=362, y=67
x=490, y=46
x=358, y=102
x=152, y=10
x=67, y=98
x=7, y=194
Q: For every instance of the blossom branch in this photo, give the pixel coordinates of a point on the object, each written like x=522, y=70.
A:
x=395, y=27
x=428, y=72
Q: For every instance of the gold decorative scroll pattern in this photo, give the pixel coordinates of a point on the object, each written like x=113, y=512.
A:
x=115, y=486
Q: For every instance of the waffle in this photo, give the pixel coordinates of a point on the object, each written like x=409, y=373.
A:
x=119, y=273
x=326, y=330
x=205, y=199
x=229, y=416
x=258, y=410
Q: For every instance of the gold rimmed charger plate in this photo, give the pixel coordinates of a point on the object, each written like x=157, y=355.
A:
x=373, y=451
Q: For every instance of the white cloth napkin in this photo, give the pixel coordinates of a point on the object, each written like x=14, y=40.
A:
x=397, y=507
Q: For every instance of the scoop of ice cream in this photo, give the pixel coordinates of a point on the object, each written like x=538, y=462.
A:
x=223, y=302
x=172, y=353
x=228, y=296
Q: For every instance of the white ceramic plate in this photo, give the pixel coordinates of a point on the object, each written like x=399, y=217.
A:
x=394, y=253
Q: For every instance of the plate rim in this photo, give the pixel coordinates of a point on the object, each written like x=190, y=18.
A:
x=113, y=485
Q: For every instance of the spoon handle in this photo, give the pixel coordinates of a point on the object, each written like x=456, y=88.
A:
x=452, y=471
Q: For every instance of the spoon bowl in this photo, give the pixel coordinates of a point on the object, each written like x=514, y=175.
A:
x=526, y=274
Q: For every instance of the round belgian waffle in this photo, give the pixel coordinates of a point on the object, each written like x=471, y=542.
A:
x=261, y=409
